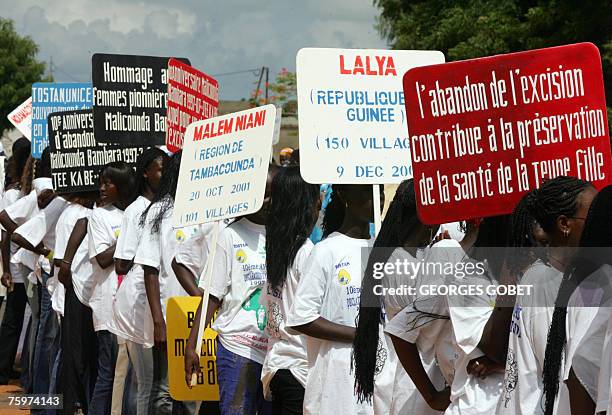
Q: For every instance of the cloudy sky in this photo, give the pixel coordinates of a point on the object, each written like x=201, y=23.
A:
x=217, y=36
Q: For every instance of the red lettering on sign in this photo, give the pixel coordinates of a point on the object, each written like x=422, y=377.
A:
x=485, y=131
x=369, y=65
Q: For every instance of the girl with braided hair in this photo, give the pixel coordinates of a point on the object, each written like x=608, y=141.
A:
x=238, y=277
x=534, y=224
x=402, y=238
x=582, y=310
x=294, y=209
x=326, y=307
x=130, y=305
x=157, y=246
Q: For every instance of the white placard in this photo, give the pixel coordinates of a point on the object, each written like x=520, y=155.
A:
x=21, y=118
x=352, y=115
x=277, y=125
x=224, y=166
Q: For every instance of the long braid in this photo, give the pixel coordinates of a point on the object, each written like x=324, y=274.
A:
x=334, y=214
x=400, y=222
x=164, y=198
x=556, y=197
x=521, y=240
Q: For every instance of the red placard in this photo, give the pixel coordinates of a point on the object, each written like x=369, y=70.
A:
x=485, y=131
x=192, y=96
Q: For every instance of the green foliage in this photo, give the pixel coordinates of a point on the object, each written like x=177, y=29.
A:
x=18, y=70
x=464, y=29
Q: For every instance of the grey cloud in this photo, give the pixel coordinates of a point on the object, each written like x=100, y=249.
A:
x=224, y=36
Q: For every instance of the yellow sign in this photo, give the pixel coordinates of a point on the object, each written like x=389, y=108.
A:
x=180, y=316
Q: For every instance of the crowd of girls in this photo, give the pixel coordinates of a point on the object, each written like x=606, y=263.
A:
x=306, y=321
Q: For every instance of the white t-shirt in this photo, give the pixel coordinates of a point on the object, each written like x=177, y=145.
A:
x=129, y=237
x=395, y=303
x=454, y=230
x=19, y=212
x=41, y=228
x=286, y=348
x=589, y=310
x=193, y=254
x=23, y=208
x=130, y=306
x=523, y=387
x=102, y=232
x=157, y=250
x=604, y=390
x=469, y=315
x=330, y=287
x=10, y=197
x=63, y=230
x=433, y=336
x=238, y=276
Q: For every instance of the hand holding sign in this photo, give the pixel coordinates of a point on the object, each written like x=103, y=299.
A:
x=485, y=131
x=223, y=174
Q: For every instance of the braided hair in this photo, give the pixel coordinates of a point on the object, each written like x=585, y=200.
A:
x=27, y=175
x=164, y=197
x=521, y=241
x=554, y=198
x=290, y=220
x=401, y=221
x=597, y=233
x=16, y=164
x=334, y=213
x=142, y=164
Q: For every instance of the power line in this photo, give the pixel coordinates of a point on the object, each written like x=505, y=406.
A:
x=53, y=66
x=255, y=72
x=66, y=73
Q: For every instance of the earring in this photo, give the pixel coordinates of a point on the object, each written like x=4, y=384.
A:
x=566, y=232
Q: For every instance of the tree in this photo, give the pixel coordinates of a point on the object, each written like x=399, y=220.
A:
x=19, y=69
x=464, y=29
x=284, y=93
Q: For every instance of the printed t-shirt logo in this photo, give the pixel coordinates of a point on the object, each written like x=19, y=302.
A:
x=344, y=277
x=252, y=304
x=241, y=256
x=510, y=378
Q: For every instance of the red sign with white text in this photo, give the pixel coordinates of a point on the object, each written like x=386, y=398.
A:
x=192, y=96
x=485, y=131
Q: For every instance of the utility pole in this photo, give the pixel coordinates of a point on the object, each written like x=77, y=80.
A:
x=261, y=75
x=267, y=73
x=259, y=83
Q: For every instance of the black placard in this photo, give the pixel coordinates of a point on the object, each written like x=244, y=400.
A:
x=76, y=155
x=130, y=98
